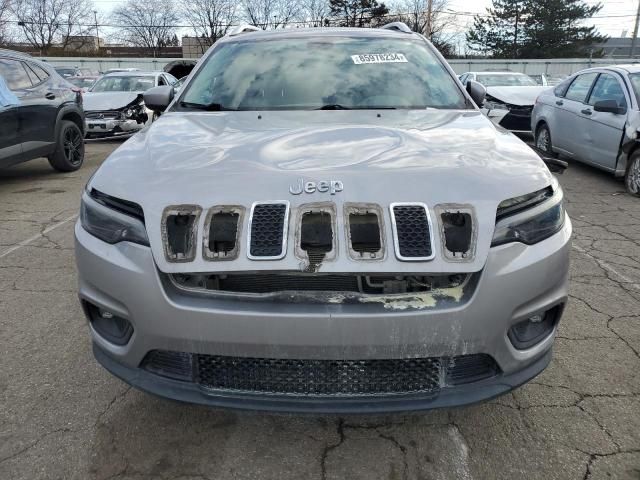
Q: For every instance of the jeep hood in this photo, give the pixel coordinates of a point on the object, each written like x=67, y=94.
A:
x=108, y=100
x=237, y=158
x=521, y=96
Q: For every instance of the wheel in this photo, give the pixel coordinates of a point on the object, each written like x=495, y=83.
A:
x=632, y=177
x=69, y=153
x=543, y=140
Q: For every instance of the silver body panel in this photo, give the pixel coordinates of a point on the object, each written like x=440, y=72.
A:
x=233, y=158
x=601, y=139
x=517, y=282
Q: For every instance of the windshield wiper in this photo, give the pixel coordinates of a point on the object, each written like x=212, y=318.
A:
x=337, y=106
x=333, y=106
x=210, y=107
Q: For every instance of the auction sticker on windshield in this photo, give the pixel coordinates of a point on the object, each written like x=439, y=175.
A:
x=379, y=58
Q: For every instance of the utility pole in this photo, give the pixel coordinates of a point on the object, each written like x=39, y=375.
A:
x=95, y=17
x=635, y=32
x=429, y=13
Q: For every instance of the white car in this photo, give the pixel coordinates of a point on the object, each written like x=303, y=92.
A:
x=510, y=98
x=114, y=105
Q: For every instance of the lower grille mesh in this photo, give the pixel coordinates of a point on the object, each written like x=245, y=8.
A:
x=319, y=377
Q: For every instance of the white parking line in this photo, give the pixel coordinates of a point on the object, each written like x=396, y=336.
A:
x=606, y=266
x=29, y=240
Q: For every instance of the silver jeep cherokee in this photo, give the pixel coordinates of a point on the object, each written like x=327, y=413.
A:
x=322, y=220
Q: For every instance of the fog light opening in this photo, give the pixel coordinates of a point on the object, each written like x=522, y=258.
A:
x=533, y=330
x=114, y=329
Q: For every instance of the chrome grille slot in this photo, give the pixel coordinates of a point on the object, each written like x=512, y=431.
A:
x=221, y=239
x=268, y=228
x=413, y=235
x=364, y=231
x=179, y=231
x=458, y=231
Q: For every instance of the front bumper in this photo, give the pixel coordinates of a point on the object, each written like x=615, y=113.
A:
x=512, y=120
x=517, y=282
x=111, y=127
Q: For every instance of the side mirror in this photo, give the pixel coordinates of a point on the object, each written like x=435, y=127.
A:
x=609, y=106
x=476, y=91
x=159, y=98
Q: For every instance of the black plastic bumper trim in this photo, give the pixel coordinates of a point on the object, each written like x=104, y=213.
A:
x=450, y=397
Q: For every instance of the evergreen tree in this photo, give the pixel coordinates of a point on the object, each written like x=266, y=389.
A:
x=535, y=29
x=554, y=29
x=358, y=13
x=500, y=32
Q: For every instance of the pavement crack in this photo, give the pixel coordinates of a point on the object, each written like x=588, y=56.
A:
x=34, y=444
x=330, y=448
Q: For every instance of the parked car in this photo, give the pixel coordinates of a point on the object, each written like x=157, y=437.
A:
x=120, y=70
x=510, y=97
x=311, y=236
x=594, y=117
x=547, y=80
x=40, y=114
x=114, y=104
x=83, y=83
x=68, y=72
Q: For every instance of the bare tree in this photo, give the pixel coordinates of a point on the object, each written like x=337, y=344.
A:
x=149, y=24
x=5, y=13
x=45, y=22
x=433, y=21
x=271, y=13
x=210, y=19
x=315, y=12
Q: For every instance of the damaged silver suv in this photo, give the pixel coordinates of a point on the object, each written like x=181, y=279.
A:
x=322, y=220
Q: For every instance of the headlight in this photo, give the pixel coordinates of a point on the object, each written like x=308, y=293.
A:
x=533, y=224
x=110, y=225
x=129, y=112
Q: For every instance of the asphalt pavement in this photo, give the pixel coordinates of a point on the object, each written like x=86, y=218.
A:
x=64, y=417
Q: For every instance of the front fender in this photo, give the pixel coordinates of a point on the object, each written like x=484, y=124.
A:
x=70, y=111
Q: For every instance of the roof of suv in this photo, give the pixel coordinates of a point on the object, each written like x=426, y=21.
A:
x=319, y=31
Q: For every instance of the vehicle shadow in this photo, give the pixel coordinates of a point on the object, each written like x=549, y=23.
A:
x=147, y=436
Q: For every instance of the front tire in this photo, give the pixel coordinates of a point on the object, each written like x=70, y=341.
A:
x=543, y=140
x=632, y=177
x=69, y=153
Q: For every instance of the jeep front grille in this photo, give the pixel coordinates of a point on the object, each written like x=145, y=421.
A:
x=268, y=228
x=412, y=231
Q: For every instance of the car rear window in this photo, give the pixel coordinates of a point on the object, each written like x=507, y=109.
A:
x=125, y=83
x=506, y=80
x=14, y=74
x=314, y=72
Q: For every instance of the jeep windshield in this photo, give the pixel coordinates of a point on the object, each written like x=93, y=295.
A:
x=331, y=73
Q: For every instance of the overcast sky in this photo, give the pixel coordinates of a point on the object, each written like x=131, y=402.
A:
x=615, y=17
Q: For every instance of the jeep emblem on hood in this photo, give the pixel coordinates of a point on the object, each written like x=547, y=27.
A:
x=332, y=186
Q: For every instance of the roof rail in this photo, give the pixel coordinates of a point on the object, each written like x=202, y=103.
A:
x=397, y=26
x=246, y=28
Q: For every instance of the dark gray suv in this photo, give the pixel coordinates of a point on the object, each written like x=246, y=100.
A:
x=40, y=113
